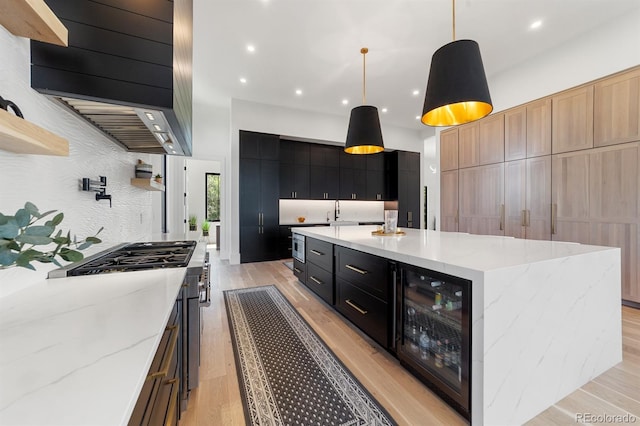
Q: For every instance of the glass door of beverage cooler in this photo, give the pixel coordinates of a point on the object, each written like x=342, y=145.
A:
x=433, y=331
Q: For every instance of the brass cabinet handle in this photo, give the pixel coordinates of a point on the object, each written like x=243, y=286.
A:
x=523, y=218
x=410, y=216
x=316, y=252
x=315, y=280
x=554, y=213
x=356, y=307
x=527, y=217
x=358, y=270
x=502, y=217
x=174, y=400
x=457, y=215
x=296, y=270
x=164, y=370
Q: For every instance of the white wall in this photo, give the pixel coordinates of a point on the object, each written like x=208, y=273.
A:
x=196, y=171
x=52, y=183
x=607, y=50
x=297, y=124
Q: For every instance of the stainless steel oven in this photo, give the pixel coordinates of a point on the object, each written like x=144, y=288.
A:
x=297, y=248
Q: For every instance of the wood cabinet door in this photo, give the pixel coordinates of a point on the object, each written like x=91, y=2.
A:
x=538, y=198
x=449, y=201
x=481, y=200
x=572, y=120
x=515, y=134
x=539, y=128
x=449, y=149
x=515, y=178
x=617, y=109
x=614, y=207
x=468, y=150
x=570, y=197
x=491, y=139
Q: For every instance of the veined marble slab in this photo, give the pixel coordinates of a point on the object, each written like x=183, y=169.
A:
x=76, y=351
x=546, y=315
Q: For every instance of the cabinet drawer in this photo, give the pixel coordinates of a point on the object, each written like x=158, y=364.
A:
x=363, y=270
x=319, y=253
x=300, y=270
x=369, y=313
x=320, y=281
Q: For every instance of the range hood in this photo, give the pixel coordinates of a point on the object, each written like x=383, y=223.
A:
x=127, y=70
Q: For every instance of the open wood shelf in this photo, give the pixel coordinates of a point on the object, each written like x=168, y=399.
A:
x=20, y=136
x=33, y=19
x=148, y=184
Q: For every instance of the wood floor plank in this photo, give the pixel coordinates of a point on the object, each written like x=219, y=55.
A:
x=217, y=401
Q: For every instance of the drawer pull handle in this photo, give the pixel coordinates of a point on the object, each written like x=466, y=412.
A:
x=172, y=346
x=315, y=280
x=316, y=252
x=296, y=270
x=174, y=400
x=356, y=307
x=358, y=270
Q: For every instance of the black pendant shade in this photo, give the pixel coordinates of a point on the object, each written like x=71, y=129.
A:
x=364, y=135
x=457, y=90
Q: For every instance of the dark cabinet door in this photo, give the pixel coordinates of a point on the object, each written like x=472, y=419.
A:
x=375, y=177
x=353, y=184
x=409, y=199
x=294, y=181
x=324, y=182
x=259, y=192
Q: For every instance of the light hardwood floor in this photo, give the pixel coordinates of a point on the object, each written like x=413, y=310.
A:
x=217, y=399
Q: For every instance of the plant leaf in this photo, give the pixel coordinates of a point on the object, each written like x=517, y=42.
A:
x=7, y=257
x=4, y=219
x=32, y=209
x=46, y=213
x=33, y=239
x=9, y=230
x=93, y=240
x=61, y=240
x=40, y=231
x=84, y=245
x=71, y=255
x=22, y=218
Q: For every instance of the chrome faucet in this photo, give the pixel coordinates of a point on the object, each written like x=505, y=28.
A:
x=337, y=210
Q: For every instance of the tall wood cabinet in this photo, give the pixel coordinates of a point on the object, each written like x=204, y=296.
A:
x=259, y=192
x=571, y=171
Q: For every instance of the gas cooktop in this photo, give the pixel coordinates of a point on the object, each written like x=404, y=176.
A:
x=132, y=257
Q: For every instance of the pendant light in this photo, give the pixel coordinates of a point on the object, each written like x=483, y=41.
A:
x=364, y=135
x=457, y=90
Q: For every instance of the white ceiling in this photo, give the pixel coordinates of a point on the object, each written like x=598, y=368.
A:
x=314, y=45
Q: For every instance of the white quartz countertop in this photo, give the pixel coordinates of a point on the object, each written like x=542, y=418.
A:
x=77, y=350
x=440, y=250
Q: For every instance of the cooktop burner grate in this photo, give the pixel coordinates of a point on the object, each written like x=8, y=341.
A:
x=137, y=257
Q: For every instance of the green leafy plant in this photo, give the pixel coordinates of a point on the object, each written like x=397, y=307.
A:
x=158, y=176
x=193, y=220
x=205, y=226
x=19, y=234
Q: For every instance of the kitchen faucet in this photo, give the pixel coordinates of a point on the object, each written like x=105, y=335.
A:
x=337, y=210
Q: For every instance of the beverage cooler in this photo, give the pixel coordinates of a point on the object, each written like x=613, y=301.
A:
x=433, y=334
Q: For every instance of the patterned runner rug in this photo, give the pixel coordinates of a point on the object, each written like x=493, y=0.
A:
x=288, y=376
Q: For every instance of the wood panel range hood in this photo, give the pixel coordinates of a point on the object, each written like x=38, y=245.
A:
x=127, y=70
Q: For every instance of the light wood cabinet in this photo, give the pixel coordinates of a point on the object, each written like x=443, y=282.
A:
x=515, y=134
x=481, y=200
x=449, y=149
x=492, y=139
x=528, y=198
x=614, y=208
x=570, y=197
x=539, y=128
x=468, y=145
x=572, y=120
x=449, y=201
x=617, y=109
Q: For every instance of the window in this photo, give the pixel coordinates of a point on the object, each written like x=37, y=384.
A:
x=213, y=196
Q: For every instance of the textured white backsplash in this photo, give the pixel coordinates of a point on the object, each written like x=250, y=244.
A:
x=53, y=183
x=317, y=211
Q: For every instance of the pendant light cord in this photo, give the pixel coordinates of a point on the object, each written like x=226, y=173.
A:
x=453, y=2
x=364, y=51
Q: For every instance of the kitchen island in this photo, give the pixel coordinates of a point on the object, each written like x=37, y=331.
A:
x=545, y=316
x=77, y=350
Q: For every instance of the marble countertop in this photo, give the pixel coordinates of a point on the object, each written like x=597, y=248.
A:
x=446, y=251
x=76, y=350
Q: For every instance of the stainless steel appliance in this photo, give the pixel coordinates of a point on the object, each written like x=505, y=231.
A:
x=194, y=294
x=297, y=250
x=433, y=332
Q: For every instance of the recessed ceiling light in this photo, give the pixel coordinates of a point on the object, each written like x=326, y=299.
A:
x=345, y=102
x=158, y=128
x=298, y=92
x=535, y=24
x=173, y=152
x=417, y=117
x=150, y=116
x=251, y=48
x=243, y=80
x=384, y=110
x=416, y=92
